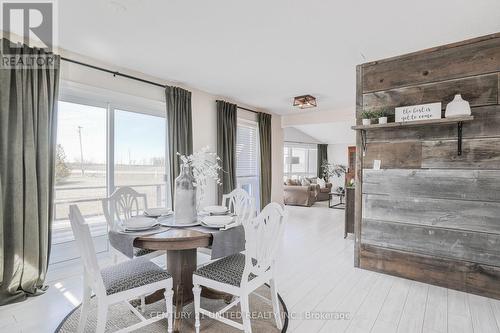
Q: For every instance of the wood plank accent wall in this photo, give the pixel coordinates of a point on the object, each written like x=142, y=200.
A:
x=429, y=214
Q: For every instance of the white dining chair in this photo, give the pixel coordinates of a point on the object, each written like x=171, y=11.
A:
x=240, y=203
x=240, y=274
x=117, y=283
x=120, y=206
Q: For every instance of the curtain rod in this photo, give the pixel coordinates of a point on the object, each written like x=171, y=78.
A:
x=115, y=73
x=239, y=107
x=242, y=108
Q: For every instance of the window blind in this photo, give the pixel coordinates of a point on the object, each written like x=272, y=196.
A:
x=247, y=156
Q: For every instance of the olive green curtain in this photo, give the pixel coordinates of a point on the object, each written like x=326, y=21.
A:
x=322, y=158
x=264, y=120
x=226, y=146
x=28, y=120
x=180, y=129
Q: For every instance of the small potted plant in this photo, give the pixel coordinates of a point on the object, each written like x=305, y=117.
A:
x=367, y=117
x=382, y=117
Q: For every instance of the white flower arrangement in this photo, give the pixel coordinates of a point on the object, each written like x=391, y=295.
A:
x=205, y=166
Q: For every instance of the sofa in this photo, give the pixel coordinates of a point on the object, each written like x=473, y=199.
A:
x=324, y=192
x=297, y=194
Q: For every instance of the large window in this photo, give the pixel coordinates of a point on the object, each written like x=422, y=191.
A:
x=99, y=148
x=140, y=155
x=80, y=173
x=300, y=160
x=247, y=158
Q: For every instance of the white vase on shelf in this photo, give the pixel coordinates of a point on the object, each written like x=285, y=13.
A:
x=458, y=107
x=382, y=120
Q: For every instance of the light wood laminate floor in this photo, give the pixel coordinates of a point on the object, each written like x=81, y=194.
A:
x=323, y=291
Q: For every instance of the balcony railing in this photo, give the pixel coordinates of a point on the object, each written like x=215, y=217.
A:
x=91, y=207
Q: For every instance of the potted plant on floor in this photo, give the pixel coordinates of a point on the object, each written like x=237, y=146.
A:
x=332, y=169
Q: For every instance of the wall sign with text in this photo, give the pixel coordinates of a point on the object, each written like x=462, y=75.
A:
x=418, y=112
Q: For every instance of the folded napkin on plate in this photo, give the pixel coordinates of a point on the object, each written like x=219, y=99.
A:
x=139, y=222
x=157, y=212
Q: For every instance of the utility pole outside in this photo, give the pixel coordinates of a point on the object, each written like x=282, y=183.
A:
x=81, y=149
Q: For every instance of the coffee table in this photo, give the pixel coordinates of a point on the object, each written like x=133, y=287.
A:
x=340, y=204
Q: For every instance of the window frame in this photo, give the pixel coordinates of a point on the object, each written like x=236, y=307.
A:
x=77, y=93
x=288, y=172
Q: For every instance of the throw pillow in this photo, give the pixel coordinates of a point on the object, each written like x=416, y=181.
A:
x=321, y=182
x=305, y=182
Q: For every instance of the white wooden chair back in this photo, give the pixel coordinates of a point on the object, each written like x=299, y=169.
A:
x=240, y=203
x=122, y=205
x=85, y=245
x=263, y=237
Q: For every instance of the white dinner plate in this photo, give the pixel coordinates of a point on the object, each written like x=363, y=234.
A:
x=216, y=209
x=136, y=229
x=171, y=223
x=217, y=221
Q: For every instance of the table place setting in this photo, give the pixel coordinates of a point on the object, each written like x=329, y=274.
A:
x=123, y=236
x=219, y=217
x=140, y=223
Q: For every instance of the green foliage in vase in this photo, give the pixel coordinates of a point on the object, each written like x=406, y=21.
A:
x=331, y=169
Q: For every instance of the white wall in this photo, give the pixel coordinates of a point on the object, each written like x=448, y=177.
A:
x=337, y=153
x=277, y=159
x=203, y=105
x=291, y=134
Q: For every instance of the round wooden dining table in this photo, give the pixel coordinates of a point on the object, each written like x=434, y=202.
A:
x=181, y=246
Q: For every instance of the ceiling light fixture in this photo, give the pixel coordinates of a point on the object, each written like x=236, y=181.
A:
x=305, y=101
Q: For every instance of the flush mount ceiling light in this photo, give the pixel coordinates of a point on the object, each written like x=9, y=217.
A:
x=305, y=101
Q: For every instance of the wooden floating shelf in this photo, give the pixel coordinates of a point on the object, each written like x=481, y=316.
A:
x=441, y=121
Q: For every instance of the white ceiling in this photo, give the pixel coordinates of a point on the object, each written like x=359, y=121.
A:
x=330, y=133
x=262, y=52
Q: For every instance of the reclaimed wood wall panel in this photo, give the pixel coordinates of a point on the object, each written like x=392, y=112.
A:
x=486, y=124
x=475, y=185
x=476, y=247
x=358, y=193
x=444, y=272
x=455, y=62
x=394, y=155
x=430, y=214
x=476, y=154
x=478, y=216
x=478, y=90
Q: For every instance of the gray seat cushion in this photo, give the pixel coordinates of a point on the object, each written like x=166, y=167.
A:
x=141, y=252
x=132, y=274
x=226, y=270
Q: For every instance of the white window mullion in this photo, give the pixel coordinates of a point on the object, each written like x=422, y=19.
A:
x=110, y=150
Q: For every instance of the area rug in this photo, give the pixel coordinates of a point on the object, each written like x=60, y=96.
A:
x=120, y=316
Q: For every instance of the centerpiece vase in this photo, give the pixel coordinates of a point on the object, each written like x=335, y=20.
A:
x=185, y=197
